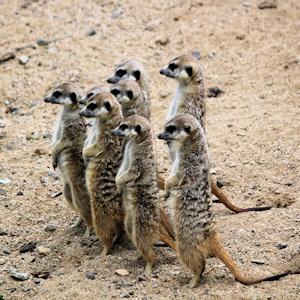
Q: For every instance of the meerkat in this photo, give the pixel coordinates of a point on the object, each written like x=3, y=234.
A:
x=190, y=97
x=131, y=98
x=134, y=70
x=137, y=182
x=66, y=151
x=103, y=159
x=188, y=189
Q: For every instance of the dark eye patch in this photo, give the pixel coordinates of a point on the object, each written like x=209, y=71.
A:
x=137, y=75
x=89, y=95
x=121, y=73
x=57, y=94
x=189, y=70
x=92, y=106
x=171, y=128
x=73, y=97
x=138, y=129
x=107, y=105
x=187, y=129
x=172, y=67
x=123, y=127
x=129, y=94
x=115, y=92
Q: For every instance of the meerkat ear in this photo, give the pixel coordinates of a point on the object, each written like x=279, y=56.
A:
x=189, y=70
x=107, y=106
x=187, y=129
x=73, y=97
x=137, y=75
x=138, y=129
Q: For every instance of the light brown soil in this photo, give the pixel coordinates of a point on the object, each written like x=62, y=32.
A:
x=252, y=129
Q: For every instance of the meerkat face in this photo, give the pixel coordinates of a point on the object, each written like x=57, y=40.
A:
x=66, y=94
x=126, y=92
x=129, y=69
x=94, y=90
x=184, y=68
x=135, y=128
x=101, y=106
x=179, y=129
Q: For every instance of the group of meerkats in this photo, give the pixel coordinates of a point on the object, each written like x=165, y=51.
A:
x=110, y=177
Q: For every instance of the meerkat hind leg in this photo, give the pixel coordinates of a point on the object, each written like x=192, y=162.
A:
x=118, y=233
x=88, y=231
x=77, y=223
x=148, y=268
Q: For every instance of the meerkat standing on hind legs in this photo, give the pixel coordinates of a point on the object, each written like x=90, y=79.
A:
x=190, y=97
x=137, y=182
x=188, y=190
x=103, y=159
x=66, y=151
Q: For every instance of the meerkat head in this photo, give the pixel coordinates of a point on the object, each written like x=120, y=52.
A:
x=128, y=69
x=180, y=128
x=67, y=94
x=100, y=88
x=185, y=68
x=136, y=128
x=126, y=92
x=103, y=106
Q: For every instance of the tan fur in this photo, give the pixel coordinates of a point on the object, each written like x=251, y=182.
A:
x=100, y=88
x=145, y=221
x=103, y=159
x=66, y=150
x=188, y=189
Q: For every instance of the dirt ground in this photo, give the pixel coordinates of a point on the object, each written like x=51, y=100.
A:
x=252, y=129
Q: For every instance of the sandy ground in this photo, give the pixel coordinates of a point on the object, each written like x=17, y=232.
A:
x=252, y=129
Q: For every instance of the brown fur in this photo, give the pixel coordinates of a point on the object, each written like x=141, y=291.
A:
x=100, y=88
x=103, y=159
x=145, y=221
x=66, y=150
x=188, y=189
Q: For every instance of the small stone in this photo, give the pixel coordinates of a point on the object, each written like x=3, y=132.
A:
x=267, y=4
x=122, y=272
x=3, y=191
x=162, y=40
x=20, y=193
x=42, y=42
x=282, y=245
x=6, y=251
x=247, y=4
x=43, y=251
x=41, y=151
x=220, y=183
x=90, y=32
x=36, y=280
x=233, y=164
x=211, y=54
x=240, y=37
x=2, y=261
x=18, y=276
x=258, y=262
x=47, y=136
x=41, y=274
x=52, y=50
x=10, y=146
x=35, y=103
x=15, y=111
x=13, y=202
x=2, y=124
x=5, y=181
x=28, y=258
x=28, y=247
x=6, y=102
x=289, y=184
x=90, y=275
x=197, y=54
x=115, y=15
x=163, y=94
x=45, y=179
x=126, y=296
x=56, y=195
x=33, y=136
x=54, y=175
x=50, y=228
x=7, y=54
x=23, y=59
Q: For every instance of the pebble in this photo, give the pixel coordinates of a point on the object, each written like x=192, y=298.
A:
x=122, y=272
x=115, y=15
x=47, y=136
x=43, y=250
x=35, y=103
x=282, y=245
x=5, y=181
x=52, y=50
x=220, y=182
x=197, y=54
x=3, y=191
x=7, y=54
x=126, y=296
x=247, y=4
x=23, y=59
x=50, y=228
x=233, y=164
x=56, y=195
x=18, y=276
x=267, y=4
x=90, y=32
x=42, y=42
x=20, y=193
x=45, y=179
x=36, y=280
x=34, y=136
x=90, y=275
x=54, y=175
x=162, y=40
x=211, y=54
x=258, y=262
x=6, y=251
x=7, y=102
x=28, y=247
x=2, y=124
x=163, y=94
x=15, y=111
x=2, y=261
x=41, y=151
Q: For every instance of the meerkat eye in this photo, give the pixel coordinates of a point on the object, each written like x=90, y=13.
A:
x=92, y=106
x=115, y=92
x=138, y=129
x=171, y=129
x=173, y=67
x=107, y=106
x=189, y=70
x=123, y=127
x=187, y=129
x=57, y=94
x=129, y=94
x=120, y=73
x=89, y=95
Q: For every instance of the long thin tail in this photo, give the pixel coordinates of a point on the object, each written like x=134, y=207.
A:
x=166, y=233
x=220, y=252
x=217, y=192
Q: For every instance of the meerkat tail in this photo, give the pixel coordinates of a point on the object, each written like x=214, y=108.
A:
x=217, y=250
x=217, y=192
x=160, y=181
x=166, y=233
